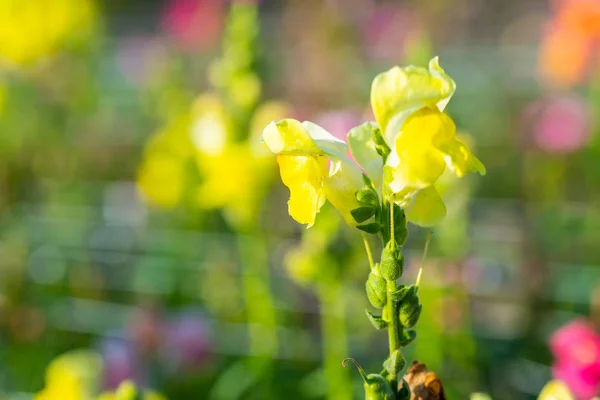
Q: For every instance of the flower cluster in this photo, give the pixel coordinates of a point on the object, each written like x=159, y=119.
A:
x=402, y=155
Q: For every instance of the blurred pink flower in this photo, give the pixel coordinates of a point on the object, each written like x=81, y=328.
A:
x=559, y=125
x=576, y=349
x=339, y=123
x=388, y=29
x=188, y=344
x=194, y=24
x=120, y=363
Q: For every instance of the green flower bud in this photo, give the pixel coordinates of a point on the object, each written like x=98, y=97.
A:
x=376, y=288
x=410, y=309
x=367, y=197
x=392, y=262
x=376, y=386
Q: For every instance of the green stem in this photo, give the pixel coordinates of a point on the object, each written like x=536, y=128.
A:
x=368, y=248
x=394, y=327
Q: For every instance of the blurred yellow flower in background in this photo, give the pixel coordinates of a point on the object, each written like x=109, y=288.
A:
x=72, y=376
x=33, y=29
x=202, y=154
x=162, y=174
x=556, y=390
x=128, y=391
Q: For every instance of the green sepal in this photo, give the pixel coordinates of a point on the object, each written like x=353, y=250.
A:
x=361, y=214
x=398, y=294
x=368, y=182
x=394, y=363
x=410, y=309
x=380, y=145
x=392, y=261
x=400, y=225
x=407, y=337
x=367, y=197
x=376, y=320
x=373, y=228
x=376, y=288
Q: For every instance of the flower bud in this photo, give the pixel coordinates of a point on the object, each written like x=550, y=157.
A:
x=376, y=288
x=410, y=309
x=392, y=261
x=367, y=197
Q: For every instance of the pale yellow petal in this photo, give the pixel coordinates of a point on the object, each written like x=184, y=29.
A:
x=427, y=208
x=289, y=136
x=460, y=160
x=400, y=89
x=340, y=189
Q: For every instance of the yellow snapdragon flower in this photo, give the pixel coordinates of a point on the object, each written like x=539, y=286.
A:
x=72, y=376
x=408, y=104
x=33, y=29
x=314, y=166
x=420, y=140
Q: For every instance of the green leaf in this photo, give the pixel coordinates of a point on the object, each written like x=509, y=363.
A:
x=376, y=320
x=361, y=214
x=395, y=363
x=373, y=228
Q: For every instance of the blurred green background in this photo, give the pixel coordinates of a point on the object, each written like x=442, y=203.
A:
x=140, y=216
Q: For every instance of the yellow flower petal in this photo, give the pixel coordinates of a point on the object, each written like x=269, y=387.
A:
x=340, y=189
x=288, y=136
x=303, y=153
x=410, y=88
x=304, y=176
x=415, y=160
x=427, y=208
x=460, y=160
